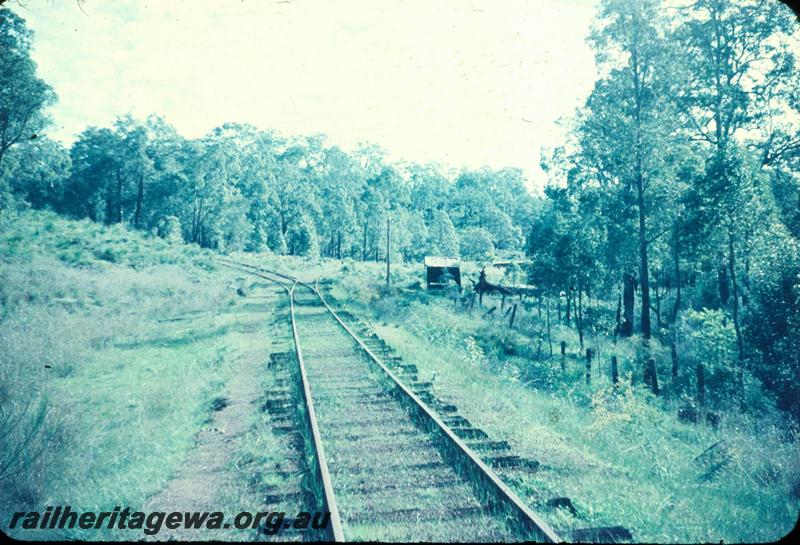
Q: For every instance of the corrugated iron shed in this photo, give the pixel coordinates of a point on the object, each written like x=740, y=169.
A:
x=437, y=269
x=433, y=261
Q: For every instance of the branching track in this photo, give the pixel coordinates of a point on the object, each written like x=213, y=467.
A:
x=388, y=465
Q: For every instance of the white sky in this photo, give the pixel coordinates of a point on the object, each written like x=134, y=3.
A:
x=459, y=82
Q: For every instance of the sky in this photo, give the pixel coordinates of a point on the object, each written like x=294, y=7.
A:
x=463, y=83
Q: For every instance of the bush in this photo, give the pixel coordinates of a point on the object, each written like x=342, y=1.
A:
x=169, y=229
x=708, y=337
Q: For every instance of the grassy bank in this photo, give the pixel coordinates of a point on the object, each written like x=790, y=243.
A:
x=113, y=346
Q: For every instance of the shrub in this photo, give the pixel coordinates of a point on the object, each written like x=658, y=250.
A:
x=708, y=337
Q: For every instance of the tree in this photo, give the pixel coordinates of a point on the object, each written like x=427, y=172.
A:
x=135, y=168
x=302, y=237
x=37, y=172
x=729, y=47
x=488, y=199
x=629, y=122
x=89, y=192
x=443, y=238
x=475, y=243
x=23, y=95
x=417, y=247
x=429, y=189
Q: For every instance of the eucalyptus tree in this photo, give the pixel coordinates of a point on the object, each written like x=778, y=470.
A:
x=738, y=66
x=418, y=243
x=134, y=168
x=340, y=182
x=487, y=199
x=564, y=249
x=90, y=191
x=259, y=152
x=430, y=189
x=296, y=197
x=442, y=235
x=37, y=172
x=627, y=124
x=23, y=95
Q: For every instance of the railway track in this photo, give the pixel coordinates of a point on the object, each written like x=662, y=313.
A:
x=389, y=466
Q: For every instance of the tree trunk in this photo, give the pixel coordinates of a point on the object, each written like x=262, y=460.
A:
x=626, y=330
x=735, y=312
x=644, y=268
x=657, y=289
x=724, y=286
x=560, y=320
x=580, y=317
x=614, y=370
x=549, y=337
x=119, y=198
x=569, y=302
x=678, y=279
x=674, y=352
x=139, y=199
x=364, y=245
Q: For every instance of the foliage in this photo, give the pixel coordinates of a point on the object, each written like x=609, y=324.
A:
x=475, y=243
x=674, y=188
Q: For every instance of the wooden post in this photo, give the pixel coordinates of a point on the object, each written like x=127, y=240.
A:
x=614, y=370
x=651, y=364
x=701, y=385
x=563, y=355
x=588, y=366
x=502, y=301
x=513, y=315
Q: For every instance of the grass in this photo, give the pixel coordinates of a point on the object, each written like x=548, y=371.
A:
x=122, y=342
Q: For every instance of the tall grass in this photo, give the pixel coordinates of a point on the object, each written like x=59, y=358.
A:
x=95, y=408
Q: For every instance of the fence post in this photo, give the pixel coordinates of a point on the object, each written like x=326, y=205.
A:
x=563, y=355
x=588, y=366
x=651, y=365
x=513, y=315
x=614, y=370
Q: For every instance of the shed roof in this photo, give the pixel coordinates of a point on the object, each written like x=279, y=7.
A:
x=433, y=261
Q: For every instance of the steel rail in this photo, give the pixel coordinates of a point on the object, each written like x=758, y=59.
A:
x=530, y=520
x=335, y=529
